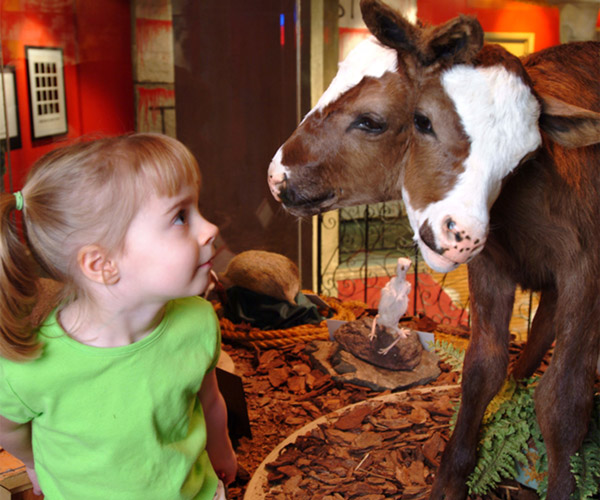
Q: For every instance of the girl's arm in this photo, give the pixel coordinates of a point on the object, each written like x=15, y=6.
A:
x=16, y=439
x=218, y=445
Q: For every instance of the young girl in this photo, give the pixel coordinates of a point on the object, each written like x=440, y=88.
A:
x=114, y=395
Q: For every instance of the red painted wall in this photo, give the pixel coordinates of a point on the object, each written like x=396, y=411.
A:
x=96, y=42
x=500, y=16
x=105, y=67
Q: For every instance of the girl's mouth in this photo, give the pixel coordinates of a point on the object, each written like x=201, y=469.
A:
x=209, y=262
x=206, y=264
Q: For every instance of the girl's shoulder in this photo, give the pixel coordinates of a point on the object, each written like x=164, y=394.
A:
x=195, y=321
x=193, y=307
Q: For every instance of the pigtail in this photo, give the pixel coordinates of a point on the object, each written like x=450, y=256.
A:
x=18, y=288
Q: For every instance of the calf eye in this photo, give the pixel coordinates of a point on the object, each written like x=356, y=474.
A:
x=369, y=123
x=423, y=124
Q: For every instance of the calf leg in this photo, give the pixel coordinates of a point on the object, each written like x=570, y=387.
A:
x=540, y=337
x=484, y=371
x=564, y=396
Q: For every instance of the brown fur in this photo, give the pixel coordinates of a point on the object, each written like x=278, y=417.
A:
x=453, y=146
x=325, y=141
x=577, y=92
x=544, y=226
x=263, y=272
x=543, y=236
x=387, y=24
x=492, y=55
x=310, y=147
x=455, y=42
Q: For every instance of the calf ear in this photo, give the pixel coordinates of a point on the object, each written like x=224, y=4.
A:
x=455, y=42
x=388, y=26
x=569, y=125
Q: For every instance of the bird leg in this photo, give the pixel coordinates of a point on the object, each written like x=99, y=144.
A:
x=401, y=333
x=373, y=328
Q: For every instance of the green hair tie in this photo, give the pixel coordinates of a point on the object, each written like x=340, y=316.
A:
x=19, y=200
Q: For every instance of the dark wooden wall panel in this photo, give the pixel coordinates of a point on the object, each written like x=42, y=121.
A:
x=235, y=88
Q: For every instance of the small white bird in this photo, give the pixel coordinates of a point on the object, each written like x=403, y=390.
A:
x=393, y=304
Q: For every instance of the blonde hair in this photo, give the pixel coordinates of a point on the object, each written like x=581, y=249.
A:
x=85, y=193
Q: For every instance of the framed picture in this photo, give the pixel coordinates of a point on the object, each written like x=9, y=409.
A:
x=9, y=120
x=46, y=83
x=519, y=44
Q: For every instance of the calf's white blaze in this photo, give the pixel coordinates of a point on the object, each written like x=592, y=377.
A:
x=500, y=116
x=368, y=59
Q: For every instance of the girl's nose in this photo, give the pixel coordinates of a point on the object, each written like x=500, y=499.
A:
x=208, y=233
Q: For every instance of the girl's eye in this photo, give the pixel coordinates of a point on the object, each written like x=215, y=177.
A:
x=180, y=218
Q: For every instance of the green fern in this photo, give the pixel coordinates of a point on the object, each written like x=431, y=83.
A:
x=585, y=464
x=499, y=454
x=450, y=354
x=510, y=432
x=540, y=464
x=504, y=442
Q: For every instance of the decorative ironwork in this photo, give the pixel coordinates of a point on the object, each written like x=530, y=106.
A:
x=358, y=250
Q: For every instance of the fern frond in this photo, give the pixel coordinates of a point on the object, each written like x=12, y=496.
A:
x=450, y=354
x=585, y=464
x=503, y=444
x=510, y=431
x=505, y=394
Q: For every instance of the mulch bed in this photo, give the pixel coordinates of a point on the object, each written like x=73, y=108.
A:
x=375, y=451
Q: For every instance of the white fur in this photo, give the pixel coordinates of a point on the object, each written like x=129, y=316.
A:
x=434, y=260
x=277, y=173
x=500, y=115
x=368, y=58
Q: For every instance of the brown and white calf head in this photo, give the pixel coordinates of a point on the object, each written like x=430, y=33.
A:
x=328, y=161
x=352, y=147
x=474, y=124
x=420, y=113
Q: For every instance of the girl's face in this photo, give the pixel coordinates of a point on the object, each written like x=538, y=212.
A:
x=168, y=249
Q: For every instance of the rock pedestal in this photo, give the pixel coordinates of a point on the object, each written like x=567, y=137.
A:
x=356, y=368
x=354, y=338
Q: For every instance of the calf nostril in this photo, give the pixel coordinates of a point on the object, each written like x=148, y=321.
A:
x=277, y=180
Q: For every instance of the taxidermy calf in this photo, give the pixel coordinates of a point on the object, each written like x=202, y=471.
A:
x=498, y=171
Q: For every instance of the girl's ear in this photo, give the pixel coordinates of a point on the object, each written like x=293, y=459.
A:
x=96, y=266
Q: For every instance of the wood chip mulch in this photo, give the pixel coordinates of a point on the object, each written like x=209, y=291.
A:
x=375, y=451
